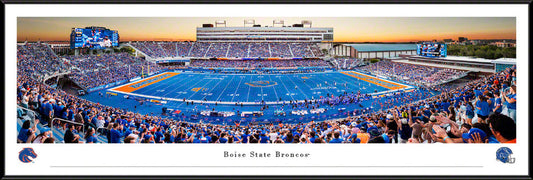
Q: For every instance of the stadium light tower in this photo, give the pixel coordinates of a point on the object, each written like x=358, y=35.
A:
x=282, y=22
x=220, y=22
x=249, y=21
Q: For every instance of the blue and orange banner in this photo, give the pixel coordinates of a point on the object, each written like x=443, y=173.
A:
x=146, y=82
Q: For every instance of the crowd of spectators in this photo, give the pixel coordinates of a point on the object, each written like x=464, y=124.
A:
x=238, y=50
x=218, y=50
x=170, y=48
x=199, y=49
x=482, y=111
x=91, y=71
x=316, y=50
x=411, y=73
x=259, y=50
x=347, y=63
x=184, y=48
x=301, y=50
x=38, y=60
x=443, y=76
x=438, y=119
x=280, y=50
x=149, y=48
x=230, y=50
x=258, y=63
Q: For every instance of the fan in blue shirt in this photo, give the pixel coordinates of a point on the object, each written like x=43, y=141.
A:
x=498, y=104
x=47, y=109
x=245, y=137
x=482, y=107
x=511, y=105
x=158, y=135
x=264, y=138
x=336, y=138
x=91, y=139
x=116, y=133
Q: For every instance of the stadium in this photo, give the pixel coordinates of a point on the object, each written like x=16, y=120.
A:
x=259, y=84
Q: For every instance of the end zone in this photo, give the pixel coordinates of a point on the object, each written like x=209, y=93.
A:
x=380, y=82
x=130, y=87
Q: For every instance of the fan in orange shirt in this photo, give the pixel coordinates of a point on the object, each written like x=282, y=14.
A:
x=363, y=135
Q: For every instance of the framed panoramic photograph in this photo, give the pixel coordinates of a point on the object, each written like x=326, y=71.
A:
x=266, y=90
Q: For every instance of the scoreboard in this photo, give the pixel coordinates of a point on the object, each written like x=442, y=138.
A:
x=431, y=49
x=93, y=38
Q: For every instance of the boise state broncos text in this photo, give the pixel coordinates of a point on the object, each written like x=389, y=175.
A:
x=276, y=154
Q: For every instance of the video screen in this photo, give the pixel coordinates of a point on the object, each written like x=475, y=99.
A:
x=93, y=38
x=431, y=50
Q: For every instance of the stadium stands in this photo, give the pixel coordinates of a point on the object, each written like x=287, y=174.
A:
x=301, y=50
x=258, y=63
x=238, y=50
x=416, y=116
x=170, y=48
x=413, y=74
x=280, y=50
x=38, y=60
x=229, y=50
x=96, y=70
x=347, y=63
x=218, y=50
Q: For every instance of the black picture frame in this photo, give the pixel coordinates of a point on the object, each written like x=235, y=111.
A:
x=3, y=76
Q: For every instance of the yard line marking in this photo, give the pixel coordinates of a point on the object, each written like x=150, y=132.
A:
x=288, y=92
x=277, y=98
x=249, y=87
x=213, y=88
x=200, y=88
x=310, y=88
x=182, y=83
x=347, y=84
x=319, y=82
x=166, y=84
x=220, y=94
x=236, y=89
x=194, y=92
x=299, y=88
x=262, y=93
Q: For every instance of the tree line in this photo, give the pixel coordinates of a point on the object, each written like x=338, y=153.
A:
x=482, y=51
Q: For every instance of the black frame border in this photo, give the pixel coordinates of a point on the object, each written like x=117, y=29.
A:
x=403, y=2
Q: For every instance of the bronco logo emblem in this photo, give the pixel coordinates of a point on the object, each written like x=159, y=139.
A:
x=262, y=83
x=25, y=155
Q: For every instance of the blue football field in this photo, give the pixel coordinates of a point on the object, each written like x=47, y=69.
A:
x=220, y=92
x=250, y=88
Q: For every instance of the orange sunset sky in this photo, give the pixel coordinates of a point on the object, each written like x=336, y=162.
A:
x=346, y=29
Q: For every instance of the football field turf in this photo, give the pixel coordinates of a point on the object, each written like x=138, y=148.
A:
x=254, y=88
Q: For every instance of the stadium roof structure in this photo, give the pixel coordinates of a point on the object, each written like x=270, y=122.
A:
x=460, y=62
x=466, y=58
x=475, y=69
x=383, y=47
x=505, y=61
x=393, y=57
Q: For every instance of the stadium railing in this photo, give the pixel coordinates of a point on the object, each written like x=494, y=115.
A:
x=101, y=131
x=72, y=122
x=29, y=110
